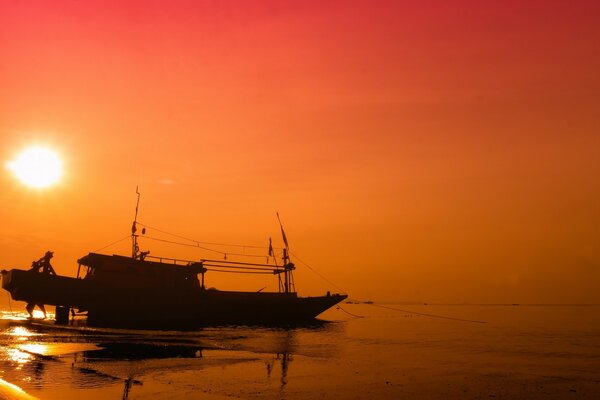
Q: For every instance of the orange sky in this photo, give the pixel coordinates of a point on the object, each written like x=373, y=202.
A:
x=420, y=151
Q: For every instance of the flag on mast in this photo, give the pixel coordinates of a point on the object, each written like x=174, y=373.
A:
x=270, y=247
x=282, y=232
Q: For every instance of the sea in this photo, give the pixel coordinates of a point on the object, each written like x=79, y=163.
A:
x=357, y=351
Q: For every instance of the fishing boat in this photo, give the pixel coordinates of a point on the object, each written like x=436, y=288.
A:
x=146, y=292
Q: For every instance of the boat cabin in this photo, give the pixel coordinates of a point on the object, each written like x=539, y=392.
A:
x=121, y=270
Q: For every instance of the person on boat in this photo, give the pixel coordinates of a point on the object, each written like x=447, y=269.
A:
x=43, y=264
x=142, y=255
x=31, y=306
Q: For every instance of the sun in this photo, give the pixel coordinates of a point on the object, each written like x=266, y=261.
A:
x=36, y=167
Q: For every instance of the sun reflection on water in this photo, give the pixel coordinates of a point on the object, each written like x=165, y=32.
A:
x=18, y=356
x=35, y=348
x=24, y=316
x=14, y=390
x=21, y=332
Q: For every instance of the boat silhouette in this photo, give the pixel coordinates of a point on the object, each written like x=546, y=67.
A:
x=144, y=292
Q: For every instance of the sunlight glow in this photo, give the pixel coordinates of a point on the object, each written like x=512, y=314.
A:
x=36, y=167
x=35, y=348
x=18, y=356
x=20, y=331
x=15, y=390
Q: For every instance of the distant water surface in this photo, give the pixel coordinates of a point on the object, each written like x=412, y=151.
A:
x=519, y=352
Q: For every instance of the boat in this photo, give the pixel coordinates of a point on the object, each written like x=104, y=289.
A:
x=146, y=292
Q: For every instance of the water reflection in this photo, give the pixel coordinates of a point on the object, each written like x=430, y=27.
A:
x=20, y=331
x=140, y=351
x=39, y=349
x=39, y=357
x=23, y=366
x=285, y=356
x=129, y=382
x=18, y=356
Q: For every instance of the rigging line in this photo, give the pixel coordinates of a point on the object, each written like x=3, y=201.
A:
x=239, y=272
x=349, y=313
x=203, y=248
x=113, y=243
x=321, y=276
x=209, y=243
x=242, y=267
x=241, y=263
x=183, y=244
x=428, y=315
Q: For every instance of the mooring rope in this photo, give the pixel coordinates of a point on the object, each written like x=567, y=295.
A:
x=317, y=273
x=349, y=313
x=427, y=314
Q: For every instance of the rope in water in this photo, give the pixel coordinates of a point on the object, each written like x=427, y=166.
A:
x=349, y=313
x=428, y=314
x=382, y=306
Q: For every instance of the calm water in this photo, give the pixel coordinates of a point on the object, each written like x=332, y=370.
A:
x=520, y=352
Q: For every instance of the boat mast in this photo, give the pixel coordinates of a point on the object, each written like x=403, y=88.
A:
x=288, y=266
x=134, y=245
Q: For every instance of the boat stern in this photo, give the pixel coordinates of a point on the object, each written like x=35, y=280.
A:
x=37, y=288
x=7, y=281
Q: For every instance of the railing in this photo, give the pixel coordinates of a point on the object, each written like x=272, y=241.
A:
x=223, y=264
x=237, y=267
x=167, y=260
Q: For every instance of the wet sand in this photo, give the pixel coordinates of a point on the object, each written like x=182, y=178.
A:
x=519, y=353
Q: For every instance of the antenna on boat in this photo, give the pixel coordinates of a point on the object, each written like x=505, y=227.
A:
x=288, y=267
x=134, y=246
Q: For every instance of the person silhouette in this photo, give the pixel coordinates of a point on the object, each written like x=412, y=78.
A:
x=42, y=265
x=31, y=306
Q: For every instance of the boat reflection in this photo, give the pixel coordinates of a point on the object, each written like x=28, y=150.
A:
x=283, y=357
x=129, y=382
x=39, y=358
x=140, y=351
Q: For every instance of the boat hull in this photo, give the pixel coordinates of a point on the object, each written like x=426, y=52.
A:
x=114, y=305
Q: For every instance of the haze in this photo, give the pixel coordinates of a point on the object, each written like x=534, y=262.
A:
x=435, y=151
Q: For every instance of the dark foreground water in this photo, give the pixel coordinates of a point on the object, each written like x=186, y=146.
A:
x=549, y=352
